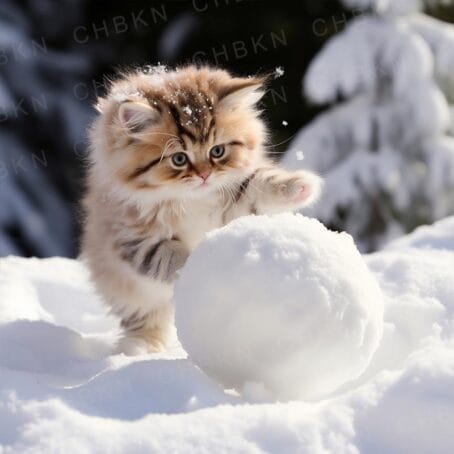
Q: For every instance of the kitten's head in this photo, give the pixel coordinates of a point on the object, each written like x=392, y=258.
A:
x=181, y=133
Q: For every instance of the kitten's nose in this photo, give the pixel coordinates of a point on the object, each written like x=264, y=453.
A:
x=204, y=175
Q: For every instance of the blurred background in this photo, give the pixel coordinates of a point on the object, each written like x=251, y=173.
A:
x=56, y=58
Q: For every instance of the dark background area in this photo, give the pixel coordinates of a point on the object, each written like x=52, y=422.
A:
x=57, y=56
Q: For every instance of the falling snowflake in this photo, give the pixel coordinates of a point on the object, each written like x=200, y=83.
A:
x=299, y=155
x=284, y=123
x=278, y=72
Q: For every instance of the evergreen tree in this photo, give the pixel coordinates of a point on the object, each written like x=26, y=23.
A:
x=385, y=146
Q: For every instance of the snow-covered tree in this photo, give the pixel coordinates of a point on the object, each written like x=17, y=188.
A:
x=385, y=147
x=42, y=125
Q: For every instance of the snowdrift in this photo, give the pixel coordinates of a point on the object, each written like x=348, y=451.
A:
x=63, y=388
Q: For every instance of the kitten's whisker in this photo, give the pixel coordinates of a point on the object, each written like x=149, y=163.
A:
x=253, y=185
x=231, y=192
x=150, y=133
x=221, y=191
x=280, y=143
x=225, y=192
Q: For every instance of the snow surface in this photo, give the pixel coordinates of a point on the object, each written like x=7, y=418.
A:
x=63, y=388
x=302, y=334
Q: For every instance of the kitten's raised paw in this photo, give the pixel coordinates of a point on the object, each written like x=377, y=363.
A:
x=300, y=188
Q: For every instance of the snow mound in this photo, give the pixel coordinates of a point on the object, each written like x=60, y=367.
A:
x=281, y=305
x=65, y=389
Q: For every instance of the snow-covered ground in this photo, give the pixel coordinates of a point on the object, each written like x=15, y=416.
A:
x=63, y=388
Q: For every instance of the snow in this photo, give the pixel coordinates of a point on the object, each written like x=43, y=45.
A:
x=440, y=38
x=64, y=388
x=361, y=56
x=384, y=147
x=187, y=110
x=278, y=72
x=45, y=83
x=387, y=7
x=299, y=155
x=436, y=236
x=304, y=333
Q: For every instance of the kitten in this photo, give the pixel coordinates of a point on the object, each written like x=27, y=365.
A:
x=174, y=154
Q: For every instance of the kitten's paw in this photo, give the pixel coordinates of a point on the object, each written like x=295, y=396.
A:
x=133, y=346
x=176, y=259
x=299, y=188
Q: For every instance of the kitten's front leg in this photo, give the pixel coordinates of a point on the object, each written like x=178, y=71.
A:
x=147, y=328
x=159, y=260
x=279, y=190
x=274, y=190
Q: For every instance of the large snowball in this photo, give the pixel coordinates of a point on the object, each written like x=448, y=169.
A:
x=279, y=302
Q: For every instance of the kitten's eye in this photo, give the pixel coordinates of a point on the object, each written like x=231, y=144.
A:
x=217, y=151
x=179, y=159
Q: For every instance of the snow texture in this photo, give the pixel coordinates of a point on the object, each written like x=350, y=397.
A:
x=388, y=7
x=64, y=389
x=320, y=317
x=385, y=147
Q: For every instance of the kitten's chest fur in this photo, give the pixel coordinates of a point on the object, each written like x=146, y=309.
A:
x=197, y=218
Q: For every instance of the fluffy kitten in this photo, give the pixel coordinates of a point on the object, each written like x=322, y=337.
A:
x=174, y=154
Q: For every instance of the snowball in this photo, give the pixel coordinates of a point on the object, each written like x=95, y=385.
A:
x=279, y=302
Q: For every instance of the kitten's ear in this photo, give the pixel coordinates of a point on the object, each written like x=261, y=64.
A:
x=137, y=115
x=241, y=92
